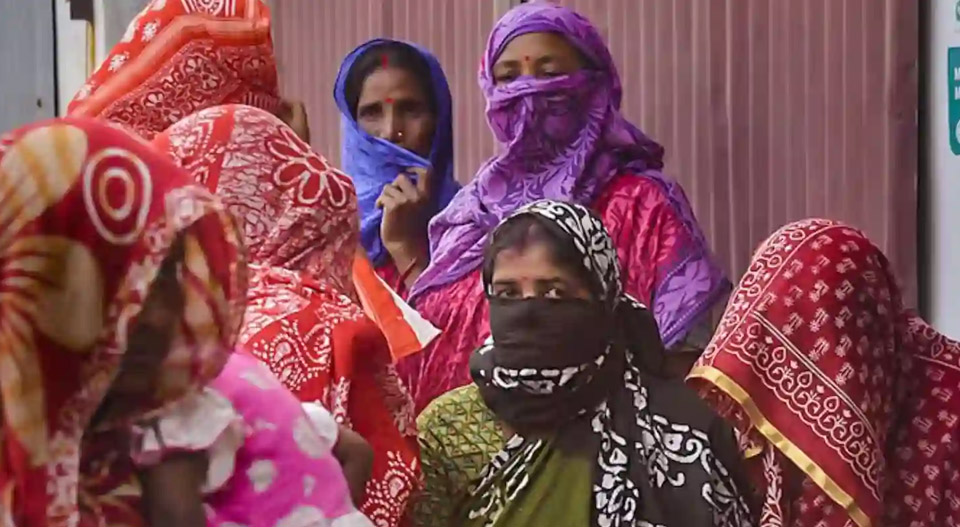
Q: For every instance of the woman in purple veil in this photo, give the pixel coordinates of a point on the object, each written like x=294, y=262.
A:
x=553, y=103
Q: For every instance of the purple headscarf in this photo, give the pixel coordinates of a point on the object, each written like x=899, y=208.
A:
x=561, y=138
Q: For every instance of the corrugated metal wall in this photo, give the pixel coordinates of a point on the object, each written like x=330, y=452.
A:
x=312, y=37
x=775, y=110
x=770, y=110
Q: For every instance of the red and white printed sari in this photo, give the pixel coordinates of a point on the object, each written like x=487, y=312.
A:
x=299, y=217
x=179, y=57
x=89, y=214
x=848, y=405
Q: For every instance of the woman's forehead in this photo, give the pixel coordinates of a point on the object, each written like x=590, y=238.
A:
x=532, y=262
x=391, y=81
x=536, y=45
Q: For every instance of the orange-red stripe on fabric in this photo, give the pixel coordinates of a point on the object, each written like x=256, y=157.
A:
x=379, y=304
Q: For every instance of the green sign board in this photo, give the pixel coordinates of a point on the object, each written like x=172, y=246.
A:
x=953, y=92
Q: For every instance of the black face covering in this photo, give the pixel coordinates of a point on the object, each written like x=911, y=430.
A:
x=550, y=361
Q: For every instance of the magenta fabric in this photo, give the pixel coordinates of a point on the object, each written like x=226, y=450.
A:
x=285, y=473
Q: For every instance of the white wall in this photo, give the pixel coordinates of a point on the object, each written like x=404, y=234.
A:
x=112, y=23
x=943, y=190
x=27, y=86
x=74, y=63
x=73, y=55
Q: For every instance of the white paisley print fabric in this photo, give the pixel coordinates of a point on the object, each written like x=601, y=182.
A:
x=299, y=217
x=179, y=57
x=297, y=210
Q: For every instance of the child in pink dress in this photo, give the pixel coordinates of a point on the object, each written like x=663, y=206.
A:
x=267, y=463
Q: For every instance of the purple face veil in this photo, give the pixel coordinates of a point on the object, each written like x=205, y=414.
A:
x=561, y=138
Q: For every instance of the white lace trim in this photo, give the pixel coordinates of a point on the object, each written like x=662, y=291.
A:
x=205, y=421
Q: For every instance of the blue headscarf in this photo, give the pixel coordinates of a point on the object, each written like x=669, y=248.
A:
x=373, y=163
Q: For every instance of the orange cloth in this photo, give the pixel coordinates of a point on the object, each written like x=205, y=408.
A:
x=406, y=331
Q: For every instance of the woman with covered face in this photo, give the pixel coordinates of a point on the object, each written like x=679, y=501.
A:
x=573, y=373
x=553, y=103
x=397, y=119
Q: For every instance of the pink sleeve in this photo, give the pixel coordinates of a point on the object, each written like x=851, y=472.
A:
x=204, y=422
x=323, y=423
x=641, y=224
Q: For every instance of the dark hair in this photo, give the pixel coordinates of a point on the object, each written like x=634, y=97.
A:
x=171, y=262
x=396, y=55
x=526, y=230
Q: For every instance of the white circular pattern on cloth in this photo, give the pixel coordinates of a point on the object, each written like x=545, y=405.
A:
x=304, y=517
x=307, y=439
x=128, y=170
x=262, y=475
x=309, y=485
x=256, y=379
x=354, y=519
x=324, y=423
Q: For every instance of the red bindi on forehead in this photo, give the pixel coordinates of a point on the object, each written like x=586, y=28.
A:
x=389, y=100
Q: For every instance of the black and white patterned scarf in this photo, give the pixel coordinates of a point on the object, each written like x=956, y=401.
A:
x=657, y=463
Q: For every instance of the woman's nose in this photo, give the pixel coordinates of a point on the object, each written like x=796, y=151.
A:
x=393, y=129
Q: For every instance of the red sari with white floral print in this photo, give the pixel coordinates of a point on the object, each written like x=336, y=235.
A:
x=179, y=57
x=299, y=217
x=848, y=405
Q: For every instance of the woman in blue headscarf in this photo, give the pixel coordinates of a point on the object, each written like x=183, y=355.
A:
x=398, y=148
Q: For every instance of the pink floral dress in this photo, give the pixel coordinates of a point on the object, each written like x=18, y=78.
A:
x=270, y=462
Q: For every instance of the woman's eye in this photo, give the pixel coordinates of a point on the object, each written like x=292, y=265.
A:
x=555, y=292
x=413, y=109
x=369, y=112
x=504, y=78
x=504, y=293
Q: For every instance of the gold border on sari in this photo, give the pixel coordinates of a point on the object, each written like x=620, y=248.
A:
x=789, y=449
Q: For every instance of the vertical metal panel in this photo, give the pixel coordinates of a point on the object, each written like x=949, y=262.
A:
x=770, y=111
x=27, y=63
x=456, y=32
x=773, y=111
